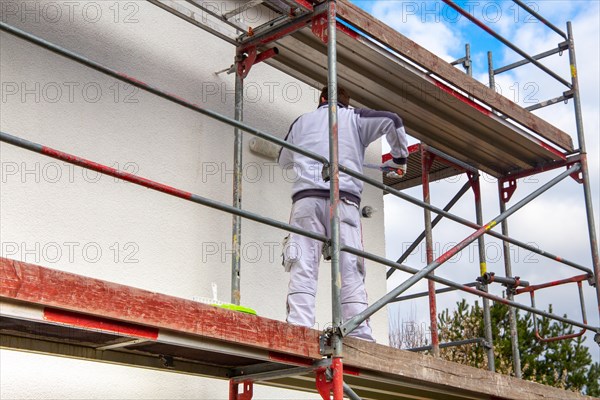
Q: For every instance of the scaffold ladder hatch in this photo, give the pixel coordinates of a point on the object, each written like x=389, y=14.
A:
x=302, y=39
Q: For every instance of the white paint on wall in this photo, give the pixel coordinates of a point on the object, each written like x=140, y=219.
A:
x=63, y=217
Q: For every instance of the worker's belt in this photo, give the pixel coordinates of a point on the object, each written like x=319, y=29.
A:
x=324, y=194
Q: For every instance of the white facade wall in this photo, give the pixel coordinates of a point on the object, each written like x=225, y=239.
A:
x=63, y=217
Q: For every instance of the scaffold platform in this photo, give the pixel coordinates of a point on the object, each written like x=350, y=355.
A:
x=441, y=106
x=441, y=168
x=53, y=312
x=382, y=69
x=463, y=126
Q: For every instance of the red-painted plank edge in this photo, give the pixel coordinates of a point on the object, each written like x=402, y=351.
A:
x=462, y=98
x=66, y=291
x=98, y=323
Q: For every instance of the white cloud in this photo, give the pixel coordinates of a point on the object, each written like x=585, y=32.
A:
x=428, y=32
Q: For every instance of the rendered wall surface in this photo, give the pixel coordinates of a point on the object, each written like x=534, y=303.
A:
x=63, y=217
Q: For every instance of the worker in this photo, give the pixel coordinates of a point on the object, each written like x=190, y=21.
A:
x=357, y=128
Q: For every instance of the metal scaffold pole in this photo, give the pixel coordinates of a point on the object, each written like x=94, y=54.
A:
x=512, y=312
x=426, y=161
x=236, y=234
x=492, y=78
x=487, y=318
x=506, y=248
x=584, y=165
x=468, y=63
x=336, y=280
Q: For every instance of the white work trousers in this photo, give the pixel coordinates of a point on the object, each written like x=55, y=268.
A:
x=302, y=255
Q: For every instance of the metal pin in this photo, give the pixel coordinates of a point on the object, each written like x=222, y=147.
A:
x=229, y=70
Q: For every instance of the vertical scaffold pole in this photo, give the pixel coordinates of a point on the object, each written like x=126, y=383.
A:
x=512, y=312
x=487, y=318
x=426, y=161
x=492, y=78
x=336, y=281
x=236, y=234
x=468, y=64
x=514, y=342
x=584, y=165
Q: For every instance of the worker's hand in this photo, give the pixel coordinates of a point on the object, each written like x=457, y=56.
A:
x=394, y=168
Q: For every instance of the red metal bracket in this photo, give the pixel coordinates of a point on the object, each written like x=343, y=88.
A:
x=335, y=385
x=265, y=55
x=307, y=5
x=319, y=27
x=246, y=60
x=234, y=394
x=324, y=387
x=546, y=167
x=249, y=58
x=507, y=189
x=427, y=159
x=577, y=176
x=474, y=182
x=508, y=184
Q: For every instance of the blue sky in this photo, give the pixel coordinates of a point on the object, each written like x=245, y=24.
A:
x=556, y=221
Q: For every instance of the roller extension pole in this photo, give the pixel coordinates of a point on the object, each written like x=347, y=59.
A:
x=450, y=344
x=438, y=291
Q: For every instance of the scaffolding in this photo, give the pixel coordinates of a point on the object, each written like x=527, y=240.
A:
x=455, y=118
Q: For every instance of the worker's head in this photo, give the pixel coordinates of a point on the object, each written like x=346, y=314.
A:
x=342, y=96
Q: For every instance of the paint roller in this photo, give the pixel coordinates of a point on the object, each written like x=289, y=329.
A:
x=264, y=148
